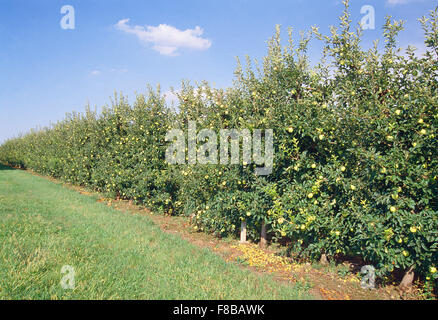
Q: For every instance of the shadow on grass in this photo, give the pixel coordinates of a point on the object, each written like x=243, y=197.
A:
x=3, y=167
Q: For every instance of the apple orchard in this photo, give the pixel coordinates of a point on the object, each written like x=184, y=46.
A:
x=355, y=140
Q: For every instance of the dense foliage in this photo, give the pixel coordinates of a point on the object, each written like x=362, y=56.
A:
x=355, y=171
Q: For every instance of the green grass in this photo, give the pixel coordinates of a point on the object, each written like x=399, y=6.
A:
x=115, y=255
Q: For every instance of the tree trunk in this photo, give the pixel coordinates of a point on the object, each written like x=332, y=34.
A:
x=243, y=232
x=323, y=260
x=408, y=278
x=263, y=240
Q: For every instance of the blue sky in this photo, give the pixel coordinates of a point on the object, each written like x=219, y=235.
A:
x=46, y=71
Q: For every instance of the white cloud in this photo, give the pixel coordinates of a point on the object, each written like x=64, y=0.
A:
x=166, y=39
x=95, y=72
x=171, y=97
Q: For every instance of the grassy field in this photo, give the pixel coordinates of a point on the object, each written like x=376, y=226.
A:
x=115, y=255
